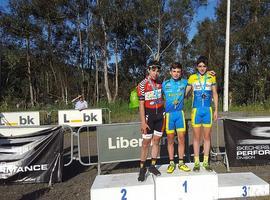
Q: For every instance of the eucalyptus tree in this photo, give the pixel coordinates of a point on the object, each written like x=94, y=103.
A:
x=18, y=24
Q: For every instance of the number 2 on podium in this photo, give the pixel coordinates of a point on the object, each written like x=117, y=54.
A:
x=185, y=186
x=124, y=191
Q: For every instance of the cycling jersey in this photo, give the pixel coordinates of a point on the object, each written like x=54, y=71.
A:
x=149, y=91
x=202, y=98
x=202, y=89
x=174, y=93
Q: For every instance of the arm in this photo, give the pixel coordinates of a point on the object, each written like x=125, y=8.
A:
x=215, y=97
x=75, y=99
x=144, y=125
x=188, y=89
x=212, y=73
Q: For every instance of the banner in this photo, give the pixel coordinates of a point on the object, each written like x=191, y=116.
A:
x=123, y=141
x=32, y=158
x=19, y=119
x=76, y=118
x=247, y=142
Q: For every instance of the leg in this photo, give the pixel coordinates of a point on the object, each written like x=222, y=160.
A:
x=144, y=149
x=196, y=140
x=181, y=144
x=170, y=147
x=144, y=153
x=206, y=140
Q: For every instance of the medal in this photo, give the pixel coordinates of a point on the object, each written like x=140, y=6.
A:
x=204, y=96
x=175, y=102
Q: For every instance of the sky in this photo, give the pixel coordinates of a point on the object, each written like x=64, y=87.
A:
x=206, y=11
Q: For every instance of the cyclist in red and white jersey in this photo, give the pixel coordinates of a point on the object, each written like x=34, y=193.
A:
x=151, y=115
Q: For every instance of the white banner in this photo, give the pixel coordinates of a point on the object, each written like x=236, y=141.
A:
x=19, y=119
x=76, y=118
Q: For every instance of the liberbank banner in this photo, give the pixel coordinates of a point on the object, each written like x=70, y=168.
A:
x=37, y=157
x=19, y=119
x=122, y=142
x=247, y=141
x=76, y=118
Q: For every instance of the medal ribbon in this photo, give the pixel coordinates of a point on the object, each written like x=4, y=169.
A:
x=176, y=99
x=202, y=86
x=154, y=89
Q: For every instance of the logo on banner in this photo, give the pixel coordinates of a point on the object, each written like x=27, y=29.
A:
x=86, y=118
x=12, y=169
x=251, y=147
x=19, y=119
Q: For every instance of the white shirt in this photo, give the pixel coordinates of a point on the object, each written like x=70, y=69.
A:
x=80, y=105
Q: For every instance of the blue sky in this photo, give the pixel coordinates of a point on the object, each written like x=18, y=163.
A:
x=202, y=13
x=206, y=11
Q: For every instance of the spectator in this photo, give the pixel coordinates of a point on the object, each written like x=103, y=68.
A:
x=80, y=103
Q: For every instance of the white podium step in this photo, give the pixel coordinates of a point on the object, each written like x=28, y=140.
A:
x=122, y=187
x=201, y=185
x=233, y=185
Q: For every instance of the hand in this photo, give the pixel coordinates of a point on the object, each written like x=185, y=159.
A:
x=215, y=115
x=144, y=127
x=212, y=73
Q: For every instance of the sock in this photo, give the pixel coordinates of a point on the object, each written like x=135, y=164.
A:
x=153, y=161
x=196, y=160
x=205, y=159
x=171, y=162
x=142, y=164
x=181, y=161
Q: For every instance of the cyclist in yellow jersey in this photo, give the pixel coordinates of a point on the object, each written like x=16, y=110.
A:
x=204, y=88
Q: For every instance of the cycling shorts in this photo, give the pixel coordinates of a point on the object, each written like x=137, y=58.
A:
x=201, y=117
x=175, y=121
x=155, y=123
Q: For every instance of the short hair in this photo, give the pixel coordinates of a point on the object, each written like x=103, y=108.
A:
x=153, y=63
x=176, y=65
x=202, y=59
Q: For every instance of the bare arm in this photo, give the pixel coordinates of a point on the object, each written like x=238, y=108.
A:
x=188, y=89
x=215, y=97
x=144, y=125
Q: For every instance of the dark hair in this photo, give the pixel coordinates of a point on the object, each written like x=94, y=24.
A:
x=176, y=65
x=202, y=59
x=154, y=63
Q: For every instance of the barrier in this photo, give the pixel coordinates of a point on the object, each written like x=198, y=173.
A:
x=122, y=142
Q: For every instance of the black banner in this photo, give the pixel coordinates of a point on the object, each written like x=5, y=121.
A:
x=247, y=142
x=34, y=158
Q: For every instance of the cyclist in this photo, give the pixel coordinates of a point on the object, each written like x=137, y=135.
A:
x=174, y=93
x=151, y=115
x=203, y=86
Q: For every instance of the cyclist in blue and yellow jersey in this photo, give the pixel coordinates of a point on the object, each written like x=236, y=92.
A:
x=174, y=93
x=204, y=88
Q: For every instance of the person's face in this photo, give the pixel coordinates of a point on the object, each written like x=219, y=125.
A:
x=202, y=68
x=176, y=73
x=154, y=72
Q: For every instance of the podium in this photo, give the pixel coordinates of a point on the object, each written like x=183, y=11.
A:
x=178, y=185
x=186, y=185
x=122, y=187
x=233, y=185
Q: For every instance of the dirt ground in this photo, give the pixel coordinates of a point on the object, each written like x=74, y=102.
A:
x=77, y=181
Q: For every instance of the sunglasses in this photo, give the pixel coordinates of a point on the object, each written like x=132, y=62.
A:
x=154, y=67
